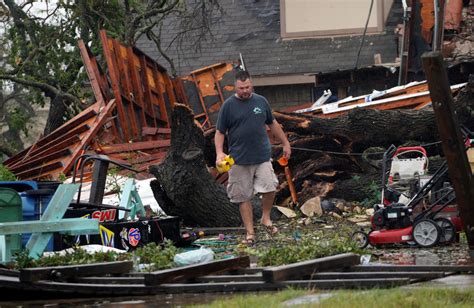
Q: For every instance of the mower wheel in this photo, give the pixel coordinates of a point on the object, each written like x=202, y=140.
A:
x=426, y=233
x=360, y=238
x=448, y=230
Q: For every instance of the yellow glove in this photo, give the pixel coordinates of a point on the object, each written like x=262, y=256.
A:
x=225, y=164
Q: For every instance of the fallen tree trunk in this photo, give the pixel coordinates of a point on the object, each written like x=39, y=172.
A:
x=184, y=186
x=326, y=158
x=195, y=195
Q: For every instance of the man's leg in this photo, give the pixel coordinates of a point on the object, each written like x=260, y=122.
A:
x=246, y=212
x=267, y=204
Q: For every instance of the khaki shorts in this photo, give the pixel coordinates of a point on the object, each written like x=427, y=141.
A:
x=246, y=181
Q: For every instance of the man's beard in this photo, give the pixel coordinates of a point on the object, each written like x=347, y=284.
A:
x=245, y=96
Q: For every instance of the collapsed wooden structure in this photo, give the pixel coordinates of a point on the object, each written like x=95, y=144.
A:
x=131, y=124
x=129, y=121
x=228, y=275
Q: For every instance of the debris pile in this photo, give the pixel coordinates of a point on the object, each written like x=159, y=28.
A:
x=129, y=122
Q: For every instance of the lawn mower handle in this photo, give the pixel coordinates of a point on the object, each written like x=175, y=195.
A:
x=405, y=149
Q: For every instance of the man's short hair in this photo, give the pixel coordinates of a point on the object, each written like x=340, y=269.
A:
x=242, y=75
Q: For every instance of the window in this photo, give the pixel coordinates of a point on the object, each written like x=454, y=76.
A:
x=319, y=18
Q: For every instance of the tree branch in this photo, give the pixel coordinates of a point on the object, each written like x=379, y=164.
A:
x=42, y=86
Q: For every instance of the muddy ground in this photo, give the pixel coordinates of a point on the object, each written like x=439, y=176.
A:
x=326, y=228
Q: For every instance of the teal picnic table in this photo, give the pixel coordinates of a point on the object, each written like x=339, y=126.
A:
x=51, y=221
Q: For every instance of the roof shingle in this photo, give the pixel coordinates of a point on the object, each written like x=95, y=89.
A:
x=252, y=28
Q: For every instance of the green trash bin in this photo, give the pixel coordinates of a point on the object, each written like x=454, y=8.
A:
x=10, y=211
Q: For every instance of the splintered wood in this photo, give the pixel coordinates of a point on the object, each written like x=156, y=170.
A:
x=130, y=119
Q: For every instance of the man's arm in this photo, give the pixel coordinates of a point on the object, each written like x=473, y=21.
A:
x=219, y=143
x=276, y=129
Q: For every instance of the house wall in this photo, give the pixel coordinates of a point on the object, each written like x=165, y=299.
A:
x=310, y=18
x=287, y=95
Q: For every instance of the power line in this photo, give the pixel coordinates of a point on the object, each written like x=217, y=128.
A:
x=351, y=153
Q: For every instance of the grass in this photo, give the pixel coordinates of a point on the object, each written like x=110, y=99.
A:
x=157, y=256
x=387, y=298
x=265, y=300
x=296, y=243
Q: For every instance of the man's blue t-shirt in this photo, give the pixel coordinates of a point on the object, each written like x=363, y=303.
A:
x=244, y=122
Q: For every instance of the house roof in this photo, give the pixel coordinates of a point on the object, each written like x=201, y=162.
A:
x=252, y=28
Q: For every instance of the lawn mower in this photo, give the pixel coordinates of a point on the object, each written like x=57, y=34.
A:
x=403, y=215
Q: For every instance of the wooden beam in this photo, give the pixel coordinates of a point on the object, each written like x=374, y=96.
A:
x=191, y=271
x=306, y=268
x=452, y=142
x=156, y=131
x=39, y=171
x=9, y=272
x=71, y=271
x=414, y=268
x=93, y=78
x=229, y=278
x=115, y=81
x=111, y=280
x=104, y=114
x=61, y=142
x=161, y=90
x=377, y=275
x=255, y=286
x=147, y=90
x=137, y=87
x=122, y=62
x=35, y=162
x=71, y=124
x=135, y=146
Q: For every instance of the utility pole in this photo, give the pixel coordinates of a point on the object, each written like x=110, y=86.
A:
x=453, y=146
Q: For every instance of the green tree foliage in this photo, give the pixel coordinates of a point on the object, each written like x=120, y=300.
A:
x=6, y=175
x=39, y=44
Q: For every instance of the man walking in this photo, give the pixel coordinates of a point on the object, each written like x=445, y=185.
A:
x=242, y=118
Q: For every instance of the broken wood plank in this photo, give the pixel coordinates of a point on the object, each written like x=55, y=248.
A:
x=40, y=160
x=377, y=275
x=70, y=271
x=254, y=286
x=156, y=130
x=59, y=133
x=62, y=142
x=158, y=77
x=115, y=82
x=229, y=278
x=91, y=73
x=177, y=288
x=104, y=114
x=42, y=169
x=305, y=268
x=247, y=271
x=191, y=271
x=413, y=268
x=121, y=62
x=137, y=88
x=136, y=146
x=8, y=272
x=111, y=280
x=147, y=89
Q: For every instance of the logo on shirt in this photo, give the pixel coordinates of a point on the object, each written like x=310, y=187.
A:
x=257, y=110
